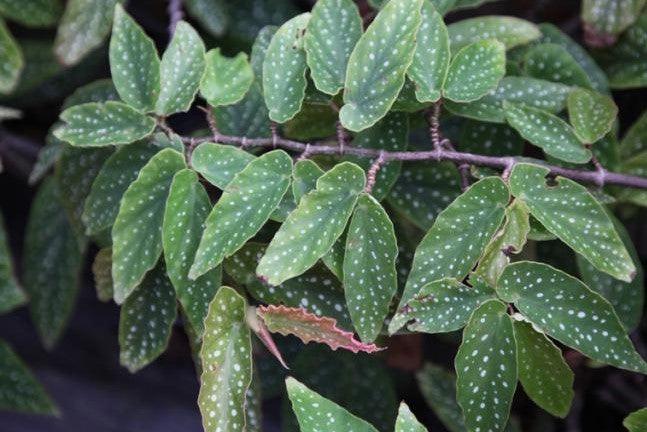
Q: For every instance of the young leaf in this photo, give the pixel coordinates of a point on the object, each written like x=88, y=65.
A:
x=103, y=124
x=11, y=295
x=310, y=328
x=11, y=60
x=244, y=207
x=146, y=320
x=369, y=267
x=570, y=212
x=310, y=230
x=137, y=232
x=486, y=368
x=284, y=70
x=226, y=357
x=20, y=390
x=333, y=31
x=431, y=59
x=102, y=272
x=591, y=114
x=438, y=387
x=544, y=375
x=304, y=178
x=187, y=207
x=134, y=63
x=456, y=240
x=316, y=413
x=225, y=80
x=636, y=421
x=181, y=69
x=378, y=63
x=219, y=163
x=543, y=129
x=566, y=309
x=32, y=13
x=554, y=63
x=407, y=422
x=511, y=31
x=475, y=71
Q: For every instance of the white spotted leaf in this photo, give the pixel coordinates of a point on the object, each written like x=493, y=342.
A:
x=333, y=31
x=226, y=357
x=378, y=64
x=304, y=178
x=475, y=71
x=102, y=124
x=11, y=60
x=511, y=31
x=623, y=63
x=248, y=118
x=134, y=63
x=486, y=368
x=226, y=79
x=370, y=280
x=284, y=70
x=591, y=114
x=553, y=62
x=314, y=226
x=543, y=129
x=219, y=163
x=610, y=17
x=570, y=212
x=406, y=421
x=11, y=295
x=545, y=376
x=181, y=70
x=137, y=231
x=636, y=421
x=569, y=311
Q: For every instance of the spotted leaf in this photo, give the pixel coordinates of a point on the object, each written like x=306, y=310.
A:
x=636, y=421
x=219, y=163
x=11, y=295
x=213, y=15
x=305, y=175
x=610, y=17
x=490, y=139
x=32, y=13
x=570, y=212
x=486, y=368
x=553, y=62
x=623, y=62
x=225, y=80
x=245, y=205
x=248, y=118
x=511, y=31
x=378, y=63
x=11, y=59
x=406, y=421
x=567, y=310
x=226, y=357
x=312, y=228
x=137, y=232
x=591, y=114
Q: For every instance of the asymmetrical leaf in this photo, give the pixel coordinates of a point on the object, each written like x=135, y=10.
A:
x=610, y=17
x=134, y=63
x=333, y=31
x=32, y=13
x=11, y=295
x=554, y=63
x=225, y=80
x=146, y=320
x=226, y=357
x=137, y=232
x=570, y=212
x=11, y=60
x=486, y=368
x=181, y=70
x=407, y=422
x=219, y=163
x=567, y=310
x=245, y=205
x=438, y=387
x=543, y=373
x=102, y=272
x=543, y=129
x=591, y=114
x=636, y=421
x=310, y=230
x=103, y=124
x=304, y=178
x=378, y=64
x=284, y=70
x=475, y=71
x=511, y=31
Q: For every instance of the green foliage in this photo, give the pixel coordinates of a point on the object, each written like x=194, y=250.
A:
x=406, y=421
x=622, y=63
x=510, y=31
x=636, y=421
x=225, y=80
x=32, y=13
x=11, y=295
x=610, y=16
x=591, y=114
x=553, y=62
x=11, y=59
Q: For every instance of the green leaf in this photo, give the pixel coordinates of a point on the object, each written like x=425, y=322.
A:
x=52, y=263
x=304, y=178
x=543, y=129
x=316, y=413
x=570, y=212
x=226, y=357
x=312, y=122
x=219, y=163
x=284, y=70
x=212, y=15
x=259, y=49
x=83, y=27
x=378, y=64
x=406, y=421
x=11, y=295
x=134, y=63
x=137, y=232
x=554, y=63
x=623, y=62
x=438, y=387
x=486, y=368
x=181, y=69
x=334, y=258
x=248, y=118
x=635, y=139
x=610, y=17
x=102, y=272
x=187, y=207
x=544, y=375
x=146, y=320
x=490, y=139
x=225, y=80
x=636, y=421
x=591, y=114
x=475, y=71
x=431, y=59
x=567, y=310
x=458, y=236
x=20, y=390
x=511, y=31
x=11, y=60
x=244, y=207
x=32, y=13
x=310, y=230
x=245, y=26
x=103, y=124
x=334, y=28
x=101, y=90
x=369, y=267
